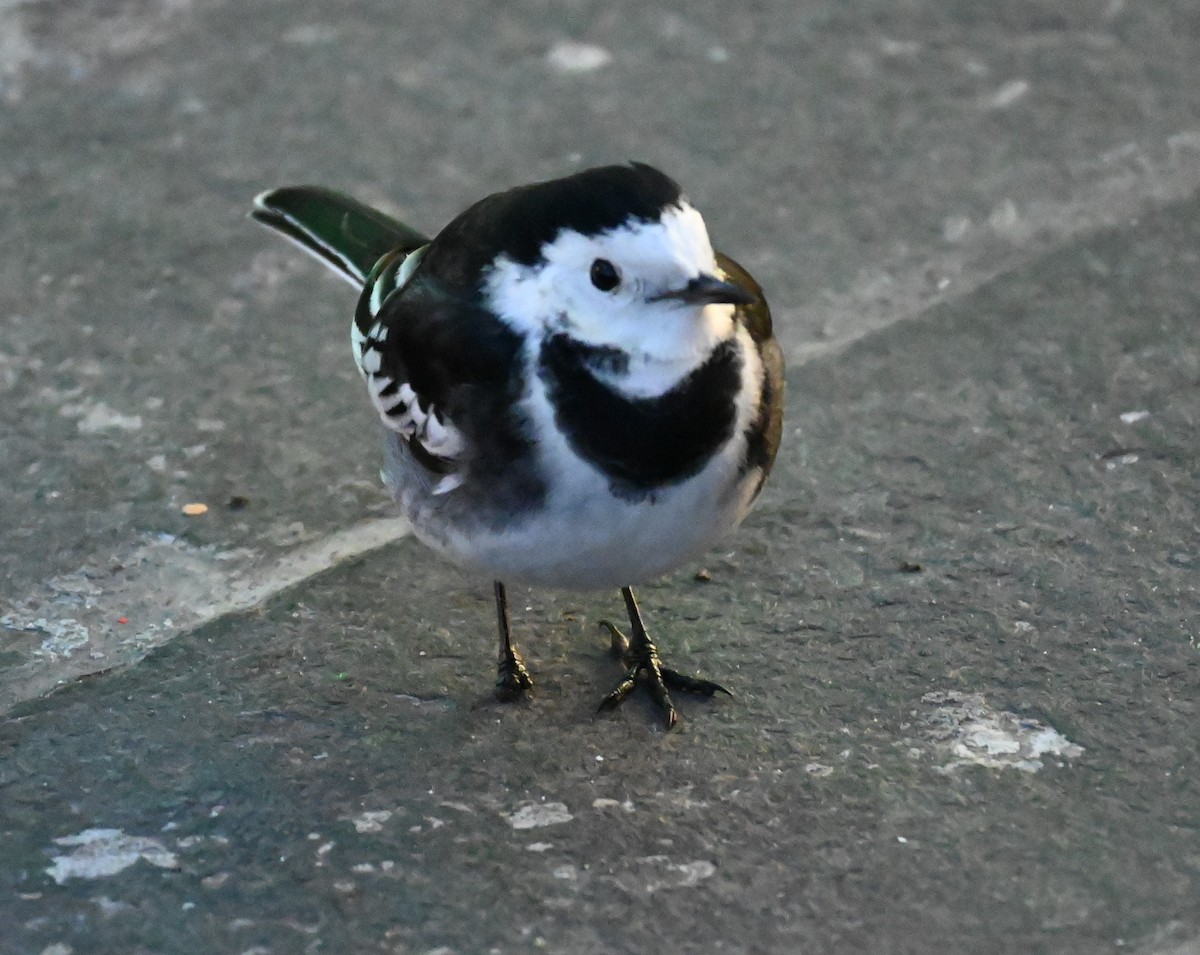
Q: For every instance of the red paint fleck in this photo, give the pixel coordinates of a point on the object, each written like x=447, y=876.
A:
x=122, y=620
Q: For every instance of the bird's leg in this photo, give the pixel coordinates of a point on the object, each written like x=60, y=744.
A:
x=639, y=653
x=512, y=677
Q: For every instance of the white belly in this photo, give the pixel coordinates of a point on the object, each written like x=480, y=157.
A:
x=587, y=538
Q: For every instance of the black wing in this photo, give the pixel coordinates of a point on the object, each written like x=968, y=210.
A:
x=446, y=375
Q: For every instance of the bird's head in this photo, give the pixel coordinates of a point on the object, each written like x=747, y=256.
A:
x=615, y=257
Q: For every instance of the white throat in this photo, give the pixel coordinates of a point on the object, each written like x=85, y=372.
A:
x=664, y=340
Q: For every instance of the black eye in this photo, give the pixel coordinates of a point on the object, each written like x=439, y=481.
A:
x=604, y=275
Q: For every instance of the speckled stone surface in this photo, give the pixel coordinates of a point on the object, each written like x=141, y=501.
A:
x=961, y=627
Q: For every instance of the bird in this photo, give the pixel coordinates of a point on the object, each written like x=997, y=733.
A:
x=576, y=390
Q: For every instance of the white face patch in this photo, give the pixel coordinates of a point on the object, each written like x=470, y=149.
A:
x=650, y=258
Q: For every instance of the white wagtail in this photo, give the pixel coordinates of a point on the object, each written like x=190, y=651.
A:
x=577, y=390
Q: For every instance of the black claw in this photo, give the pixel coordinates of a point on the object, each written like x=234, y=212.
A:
x=690, y=684
x=641, y=657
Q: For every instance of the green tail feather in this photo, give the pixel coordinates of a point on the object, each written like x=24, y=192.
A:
x=348, y=236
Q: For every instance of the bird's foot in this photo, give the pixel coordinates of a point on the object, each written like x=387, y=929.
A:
x=513, y=680
x=641, y=657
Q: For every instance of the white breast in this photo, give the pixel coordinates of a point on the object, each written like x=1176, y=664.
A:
x=587, y=537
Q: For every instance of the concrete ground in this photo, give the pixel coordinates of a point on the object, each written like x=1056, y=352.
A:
x=961, y=627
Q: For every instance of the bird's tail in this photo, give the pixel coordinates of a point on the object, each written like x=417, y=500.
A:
x=343, y=233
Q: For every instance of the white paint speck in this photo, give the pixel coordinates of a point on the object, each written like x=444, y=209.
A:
x=661, y=873
x=1121, y=153
x=603, y=803
x=310, y=34
x=569, y=57
x=372, y=820
x=96, y=416
x=539, y=847
x=110, y=907
x=899, y=48
x=1188, y=140
x=965, y=728
x=1004, y=217
x=62, y=645
x=955, y=228
x=103, y=852
x=63, y=637
x=537, y=815
x=693, y=873
x=1007, y=94
x=1133, y=417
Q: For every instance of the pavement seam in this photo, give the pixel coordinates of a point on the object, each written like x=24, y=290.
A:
x=898, y=292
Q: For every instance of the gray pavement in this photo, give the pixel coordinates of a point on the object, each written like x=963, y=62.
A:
x=962, y=626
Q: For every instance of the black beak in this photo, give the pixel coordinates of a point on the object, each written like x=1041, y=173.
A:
x=708, y=290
